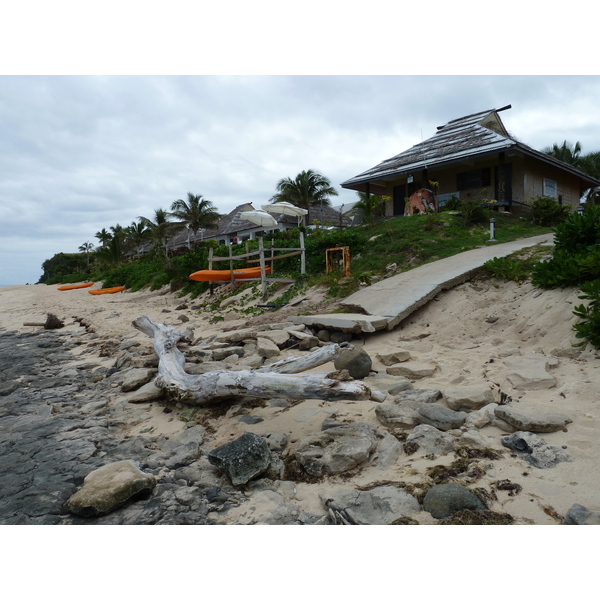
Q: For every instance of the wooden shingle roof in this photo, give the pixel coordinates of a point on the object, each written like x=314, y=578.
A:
x=474, y=135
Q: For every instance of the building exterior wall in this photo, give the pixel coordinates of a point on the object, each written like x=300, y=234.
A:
x=527, y=177
x=567, y=186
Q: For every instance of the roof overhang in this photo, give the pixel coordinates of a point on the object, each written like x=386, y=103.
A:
x=378, y=184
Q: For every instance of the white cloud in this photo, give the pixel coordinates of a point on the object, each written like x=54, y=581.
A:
x=78, y=154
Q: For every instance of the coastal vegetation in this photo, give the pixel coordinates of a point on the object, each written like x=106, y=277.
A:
x=404, y=242
x=575, y=262
x=139, y=256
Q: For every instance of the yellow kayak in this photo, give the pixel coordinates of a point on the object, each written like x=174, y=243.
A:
x=112, y=290
x=77, y=286
x=210, y=275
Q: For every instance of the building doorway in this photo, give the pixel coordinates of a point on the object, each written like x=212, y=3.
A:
x=399, y=199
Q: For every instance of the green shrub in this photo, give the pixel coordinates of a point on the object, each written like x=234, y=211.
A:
x=576, y=261
x=452, y=204
x=589, y=328
x=508, y=268
x=64, y=268
x=548, y=212
x=473, y=211
x=580, y=232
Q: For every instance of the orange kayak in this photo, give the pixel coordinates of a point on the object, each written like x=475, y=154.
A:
x=209, y=275
x=112, y=290
x=77, y=286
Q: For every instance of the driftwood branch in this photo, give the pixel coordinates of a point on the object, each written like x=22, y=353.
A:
x=279, y=380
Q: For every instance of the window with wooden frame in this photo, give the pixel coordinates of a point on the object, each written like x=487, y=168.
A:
x=477, y=178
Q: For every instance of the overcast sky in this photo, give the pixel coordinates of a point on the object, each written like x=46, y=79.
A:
x=82, y=153
x=81, y=150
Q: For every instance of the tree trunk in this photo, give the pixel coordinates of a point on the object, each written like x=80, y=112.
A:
x=279, y=380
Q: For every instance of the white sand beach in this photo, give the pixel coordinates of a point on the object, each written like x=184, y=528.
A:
x=468, y=332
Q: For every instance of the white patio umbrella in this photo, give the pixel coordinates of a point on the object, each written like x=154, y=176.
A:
x=259, y=217
x=285, y=208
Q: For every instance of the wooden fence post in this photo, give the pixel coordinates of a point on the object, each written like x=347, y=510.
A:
x=263, y=274
x=302, y=256
x=210, y=263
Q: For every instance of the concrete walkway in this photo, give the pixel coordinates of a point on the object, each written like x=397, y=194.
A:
x=384, y=304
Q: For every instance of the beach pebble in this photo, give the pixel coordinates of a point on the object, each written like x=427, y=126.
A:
x=537, y=421
x=447, y=498
x=336, y=450
x=108, y=487
x=356, y=361
x=431, y=440
x=243, y=459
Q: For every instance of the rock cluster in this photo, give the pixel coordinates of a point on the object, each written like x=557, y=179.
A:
x=65, y=460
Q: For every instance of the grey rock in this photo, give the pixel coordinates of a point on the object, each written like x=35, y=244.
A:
x=276, y=470
x=440, y=417
x=412, y=369
x=223, y=353
x=237, y=335
x=381, y=505
x=421, y=396
x=124, y=360
x=278, y=336
x=278, y=403
x=147, y=393
x=472, y=439
x=308, y=342
x=324, y=335
x=8, y=387
x=181, y=450
x=254, y=361
x=403, y=415
x=136, y=378
x=431, y=440
x=471, y=397
x=356, y=361
x=336, y=450
x=580, y=515
x=250, y=419
x=276, y=441
x=108, y=487
x=534, y=450
x=400, y=386
x=243, y=459
x=267, y=507
x=392, y=356
x=339, y=337
x=266, y=348
x=447, y=498
x=481, y=417
x=529, y=372
x=540, y=421
x=388, y=450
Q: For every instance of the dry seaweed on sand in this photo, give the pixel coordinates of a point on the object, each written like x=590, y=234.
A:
x=480, y=517
x=463, y=465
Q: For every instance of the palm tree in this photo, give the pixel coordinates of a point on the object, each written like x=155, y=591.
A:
x=590, y=164
x=567, y=152
x=370, y=206
x=104, y=236
x=136, y=235
x=309, y=188
x=87, y=247
x=195, y=214
x=161, y=228
x=111, y=253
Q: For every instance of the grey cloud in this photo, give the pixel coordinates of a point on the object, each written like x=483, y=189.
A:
x=78, y=154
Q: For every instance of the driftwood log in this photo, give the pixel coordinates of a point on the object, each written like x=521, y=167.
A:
x=278, y=380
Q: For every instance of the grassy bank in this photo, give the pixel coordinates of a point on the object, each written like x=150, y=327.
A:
x=407, y=242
